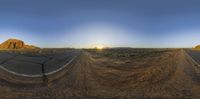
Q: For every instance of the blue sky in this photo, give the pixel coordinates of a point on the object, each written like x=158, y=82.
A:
x=86, y=23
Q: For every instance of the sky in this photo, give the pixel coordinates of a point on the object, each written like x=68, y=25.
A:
x=112, y=23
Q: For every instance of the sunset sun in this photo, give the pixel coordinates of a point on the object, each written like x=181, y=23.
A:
x=78, y=49
x=99, y=47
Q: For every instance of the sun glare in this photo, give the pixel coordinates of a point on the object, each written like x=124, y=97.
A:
x=99, y=47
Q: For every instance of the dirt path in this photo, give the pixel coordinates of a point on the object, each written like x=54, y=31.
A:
x=167, y=76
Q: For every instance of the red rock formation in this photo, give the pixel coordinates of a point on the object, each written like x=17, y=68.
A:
x=197, y=47
x=16, y=44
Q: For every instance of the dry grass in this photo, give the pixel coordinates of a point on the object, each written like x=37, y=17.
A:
x=120, y=73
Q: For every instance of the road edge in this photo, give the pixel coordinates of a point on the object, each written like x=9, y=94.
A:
x=190, y=59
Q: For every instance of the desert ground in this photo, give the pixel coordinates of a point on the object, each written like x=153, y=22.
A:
x=120, y=73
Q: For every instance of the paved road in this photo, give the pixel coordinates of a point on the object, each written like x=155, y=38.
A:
x=195, y=54
x=35, y=64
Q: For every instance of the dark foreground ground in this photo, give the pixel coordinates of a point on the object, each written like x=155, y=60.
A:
x=35, y=63
x=117, y=74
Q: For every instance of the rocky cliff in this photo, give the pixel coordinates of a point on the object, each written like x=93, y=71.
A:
x=16, y=44
x=197, y=47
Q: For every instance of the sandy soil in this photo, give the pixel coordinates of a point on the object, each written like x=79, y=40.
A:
x=157, y=74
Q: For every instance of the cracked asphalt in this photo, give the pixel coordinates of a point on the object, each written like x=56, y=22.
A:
x=35, y=64
x=195, y=54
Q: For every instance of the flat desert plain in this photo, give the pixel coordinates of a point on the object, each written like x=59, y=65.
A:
x=120, y=73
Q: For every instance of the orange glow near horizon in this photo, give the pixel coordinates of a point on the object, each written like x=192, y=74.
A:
x=99, y=47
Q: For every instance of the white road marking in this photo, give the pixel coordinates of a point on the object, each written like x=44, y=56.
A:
x=39, y=75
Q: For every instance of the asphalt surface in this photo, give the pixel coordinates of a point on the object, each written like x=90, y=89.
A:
x=195, y=54
x=35, y=64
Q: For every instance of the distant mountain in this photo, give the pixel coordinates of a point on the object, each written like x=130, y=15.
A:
x=16, y=44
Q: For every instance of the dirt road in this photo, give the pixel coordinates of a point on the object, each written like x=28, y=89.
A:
x=166, y=75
